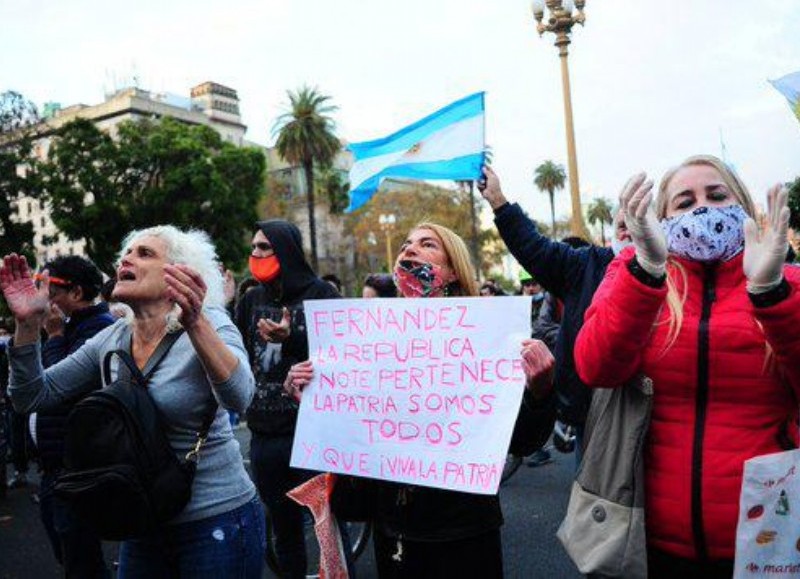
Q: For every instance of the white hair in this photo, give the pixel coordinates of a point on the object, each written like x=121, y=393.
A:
x=193, y=248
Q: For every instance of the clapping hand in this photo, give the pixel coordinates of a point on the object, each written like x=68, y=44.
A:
x=54, y=322
x=648, y=238
x=185, y=287
x=765, y=250
x=275, y=331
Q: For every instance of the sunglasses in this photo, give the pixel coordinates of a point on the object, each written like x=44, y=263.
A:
x=59, y=281
x=261, y=245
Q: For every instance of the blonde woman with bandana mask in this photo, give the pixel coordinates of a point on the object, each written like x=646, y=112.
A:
x=704, y=304
x=422, y=532
x=270, y=318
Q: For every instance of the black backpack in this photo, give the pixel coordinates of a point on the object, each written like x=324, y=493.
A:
x=122, y=477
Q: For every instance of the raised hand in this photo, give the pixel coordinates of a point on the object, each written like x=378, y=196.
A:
x=186, y=288
x=28, y=303
x=636, y=201
x=489, y=187
x=765, y=250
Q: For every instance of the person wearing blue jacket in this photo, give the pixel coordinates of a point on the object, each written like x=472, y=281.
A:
x=74, y=317
x=569, y=274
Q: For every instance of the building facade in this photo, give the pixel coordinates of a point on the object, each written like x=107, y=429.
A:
x=209, y=104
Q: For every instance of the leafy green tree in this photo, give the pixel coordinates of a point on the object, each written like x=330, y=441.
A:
x=306, y=138
x=18, y=121
x=600, y=212
x=153, y=173
x=550, y=177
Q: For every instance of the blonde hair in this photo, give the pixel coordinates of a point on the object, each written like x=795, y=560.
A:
x=458, y=255
x=676, y=300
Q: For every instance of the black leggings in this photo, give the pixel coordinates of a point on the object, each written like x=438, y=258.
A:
x=478, y=557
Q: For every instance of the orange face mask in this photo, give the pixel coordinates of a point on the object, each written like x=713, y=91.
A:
x=265, y=269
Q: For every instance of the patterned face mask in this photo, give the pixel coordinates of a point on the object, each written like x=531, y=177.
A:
x=706, y=234
x=421, y=281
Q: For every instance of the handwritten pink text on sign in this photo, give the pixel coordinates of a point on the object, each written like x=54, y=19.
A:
x=413, y=390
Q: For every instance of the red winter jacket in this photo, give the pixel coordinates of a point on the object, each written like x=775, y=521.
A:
x=719, y=397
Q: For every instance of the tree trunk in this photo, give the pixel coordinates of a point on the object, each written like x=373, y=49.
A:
x=476, y=258
x=552, y=214
x=308, y=169
x=603, y=233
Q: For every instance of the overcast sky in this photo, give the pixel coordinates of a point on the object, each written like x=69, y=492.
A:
x=651, y=83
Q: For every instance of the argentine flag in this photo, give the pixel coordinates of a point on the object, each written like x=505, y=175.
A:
x=449, y=144
x=789, y=86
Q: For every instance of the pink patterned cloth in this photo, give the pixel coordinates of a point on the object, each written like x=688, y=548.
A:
x=315, y=494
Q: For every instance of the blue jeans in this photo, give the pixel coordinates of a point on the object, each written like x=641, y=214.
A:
x=75, y=546
x=226, y=546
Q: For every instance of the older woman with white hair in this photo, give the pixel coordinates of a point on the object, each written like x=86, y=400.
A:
x=171, y=281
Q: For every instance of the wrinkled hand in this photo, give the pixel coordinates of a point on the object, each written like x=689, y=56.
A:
x=54, y=322
x=185, y=287
x=765, y=251
x=636, y=201
x=28, y=303
x=489, y=187
x=273, y=331
x=539, y=366
x=299, y=377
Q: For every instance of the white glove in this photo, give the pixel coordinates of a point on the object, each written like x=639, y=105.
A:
x=765, y=251
x=640, y=219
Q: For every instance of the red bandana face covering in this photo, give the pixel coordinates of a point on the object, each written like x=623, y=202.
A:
x=421, y=281
x=265, y=269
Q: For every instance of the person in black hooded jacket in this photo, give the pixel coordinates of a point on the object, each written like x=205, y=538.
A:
x=271, y=320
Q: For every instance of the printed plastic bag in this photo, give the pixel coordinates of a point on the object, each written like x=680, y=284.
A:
x=768, y=532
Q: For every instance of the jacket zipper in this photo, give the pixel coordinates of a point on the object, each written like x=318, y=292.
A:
x=701, y=404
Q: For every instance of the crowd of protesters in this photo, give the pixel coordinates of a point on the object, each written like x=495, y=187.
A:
x=692, y=293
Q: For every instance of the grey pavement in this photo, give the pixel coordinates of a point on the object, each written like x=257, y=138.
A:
x=534, y=501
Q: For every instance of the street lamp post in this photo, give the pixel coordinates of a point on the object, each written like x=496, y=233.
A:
x=562, y=17
x=387, y=223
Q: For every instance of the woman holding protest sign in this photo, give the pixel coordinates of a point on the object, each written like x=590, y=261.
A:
x=426, y=532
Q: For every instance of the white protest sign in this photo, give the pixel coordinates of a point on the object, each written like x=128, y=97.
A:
x=422, y=391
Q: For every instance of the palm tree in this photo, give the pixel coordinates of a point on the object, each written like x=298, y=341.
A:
x=550, y=177
x=305, y=137
x=600, y=211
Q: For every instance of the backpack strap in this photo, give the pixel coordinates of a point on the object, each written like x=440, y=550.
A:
x=143, y=376
x=128, y=368
x=158, y=355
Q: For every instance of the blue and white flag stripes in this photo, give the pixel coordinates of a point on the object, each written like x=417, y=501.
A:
x=789, y=86
x=449, y=144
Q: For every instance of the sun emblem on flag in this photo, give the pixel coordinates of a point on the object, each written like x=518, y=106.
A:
x=414, y=149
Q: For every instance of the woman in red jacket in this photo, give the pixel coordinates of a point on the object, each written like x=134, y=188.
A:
x=704, y=304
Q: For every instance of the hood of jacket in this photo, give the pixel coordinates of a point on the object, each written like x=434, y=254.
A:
x=296, y=274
